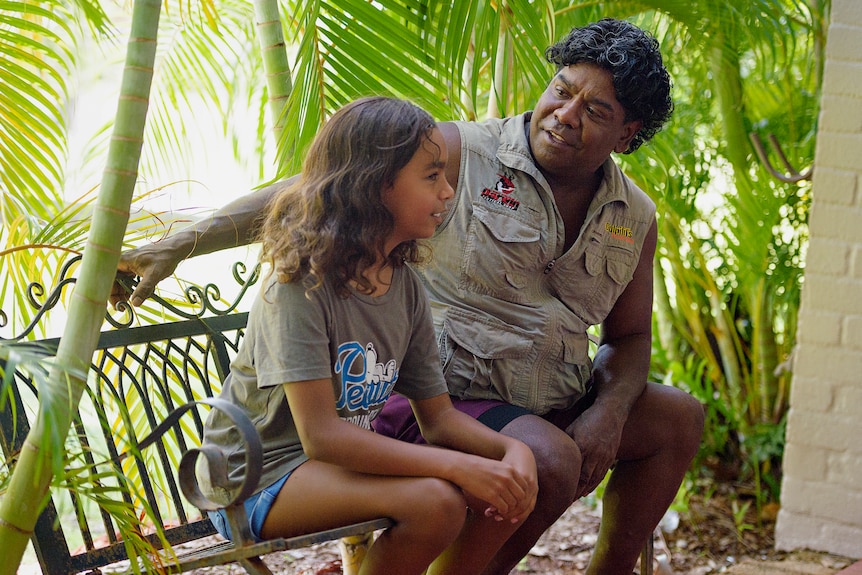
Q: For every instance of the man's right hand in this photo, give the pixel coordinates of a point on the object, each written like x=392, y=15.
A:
x=229, y=227
x=151, y=263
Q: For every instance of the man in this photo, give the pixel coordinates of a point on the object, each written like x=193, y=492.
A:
x=546, y=237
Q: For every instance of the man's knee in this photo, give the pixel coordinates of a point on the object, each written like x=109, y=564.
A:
x=558, y=459
x=665, y=420
x=688, y=421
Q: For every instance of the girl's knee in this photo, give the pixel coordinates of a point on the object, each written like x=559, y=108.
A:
x=434, y=507
x=443, y=500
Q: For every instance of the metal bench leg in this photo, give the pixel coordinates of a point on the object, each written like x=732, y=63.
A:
x=647, y=556
x=353, y=550
x=255, y=566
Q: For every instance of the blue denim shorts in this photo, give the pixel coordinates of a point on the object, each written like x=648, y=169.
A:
x=256, y=508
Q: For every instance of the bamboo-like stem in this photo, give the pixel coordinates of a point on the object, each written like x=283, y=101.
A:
x=59, y=398
x=275, y=63
x=765, y=355
x=498, y=101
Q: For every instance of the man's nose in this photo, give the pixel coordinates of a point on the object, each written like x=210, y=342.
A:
x=569, y=114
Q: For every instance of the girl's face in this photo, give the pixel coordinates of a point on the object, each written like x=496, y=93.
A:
x=418, y=196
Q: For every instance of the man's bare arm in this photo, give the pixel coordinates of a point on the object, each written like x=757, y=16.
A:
x=231, y=226
x=620, y=371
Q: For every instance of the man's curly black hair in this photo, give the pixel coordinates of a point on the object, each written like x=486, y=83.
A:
x=632, y=56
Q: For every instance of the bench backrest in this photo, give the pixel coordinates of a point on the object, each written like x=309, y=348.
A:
x=139, y=374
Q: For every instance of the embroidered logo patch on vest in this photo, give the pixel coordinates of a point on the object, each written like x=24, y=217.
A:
x=621, y=233
x=501, y=194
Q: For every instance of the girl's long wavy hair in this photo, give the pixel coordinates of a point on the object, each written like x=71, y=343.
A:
x=332, y=224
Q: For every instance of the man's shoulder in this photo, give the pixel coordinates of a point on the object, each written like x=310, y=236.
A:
x=623, y=185
x=492, y=127
x=487, y=135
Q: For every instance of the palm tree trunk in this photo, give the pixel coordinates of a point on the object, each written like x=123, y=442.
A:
x=728, y=84
x=497, y=103
x=42, y=453
x=759, y=387
x=278, y=79
x=766, y=356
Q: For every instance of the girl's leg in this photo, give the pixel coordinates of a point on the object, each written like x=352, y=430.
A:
x=478, y=542
x=429, y=513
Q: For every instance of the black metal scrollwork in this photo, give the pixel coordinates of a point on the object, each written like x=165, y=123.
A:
x=199, y=301
x=204, y=299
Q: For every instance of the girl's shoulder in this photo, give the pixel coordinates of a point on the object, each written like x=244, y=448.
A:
x=410, y=276
x=297, y=292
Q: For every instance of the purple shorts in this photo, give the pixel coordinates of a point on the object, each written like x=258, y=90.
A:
x=396, y=419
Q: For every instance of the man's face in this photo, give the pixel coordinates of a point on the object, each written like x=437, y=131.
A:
x=578, y=122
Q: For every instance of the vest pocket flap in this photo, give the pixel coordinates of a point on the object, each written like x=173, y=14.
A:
x=593, y=262
x=485, y=337
x=575, y=348
x=621, y=266
x=505, y=227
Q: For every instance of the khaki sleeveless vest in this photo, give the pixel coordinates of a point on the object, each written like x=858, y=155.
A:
x=511, y=310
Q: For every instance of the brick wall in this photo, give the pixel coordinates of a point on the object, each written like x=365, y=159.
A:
x=822, y=489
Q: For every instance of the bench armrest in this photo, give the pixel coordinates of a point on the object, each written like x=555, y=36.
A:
x=237, y=518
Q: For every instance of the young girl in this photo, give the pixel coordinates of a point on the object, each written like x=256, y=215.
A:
x=341, y=323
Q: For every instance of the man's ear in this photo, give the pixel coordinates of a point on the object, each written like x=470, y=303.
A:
x=630, y=130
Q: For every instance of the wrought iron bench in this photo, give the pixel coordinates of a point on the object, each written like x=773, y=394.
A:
x=134, y=444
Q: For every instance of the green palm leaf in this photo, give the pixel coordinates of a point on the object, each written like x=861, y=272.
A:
x=33, y=72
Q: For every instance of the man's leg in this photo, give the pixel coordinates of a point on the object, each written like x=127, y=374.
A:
x=660, y=439
x=558, y=462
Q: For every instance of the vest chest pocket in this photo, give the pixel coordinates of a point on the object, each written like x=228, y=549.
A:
x=591, y=285
x=500, y=252
x=481, y=356
x=618, y=264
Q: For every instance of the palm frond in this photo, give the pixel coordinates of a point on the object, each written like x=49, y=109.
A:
x=200, y=68
x=33, y=73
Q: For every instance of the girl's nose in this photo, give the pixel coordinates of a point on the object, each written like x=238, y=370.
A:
x=447, y=192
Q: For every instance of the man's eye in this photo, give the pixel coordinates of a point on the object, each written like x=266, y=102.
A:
x=595, y=113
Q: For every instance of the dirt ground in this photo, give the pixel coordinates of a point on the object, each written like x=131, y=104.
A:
x=701, y=540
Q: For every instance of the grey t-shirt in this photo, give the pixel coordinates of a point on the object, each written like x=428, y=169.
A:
x=368, y=346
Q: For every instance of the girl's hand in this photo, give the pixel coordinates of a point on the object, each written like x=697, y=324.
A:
x=495, y=468
x=508, y=487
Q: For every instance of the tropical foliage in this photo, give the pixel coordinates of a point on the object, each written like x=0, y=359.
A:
x=733, y=236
